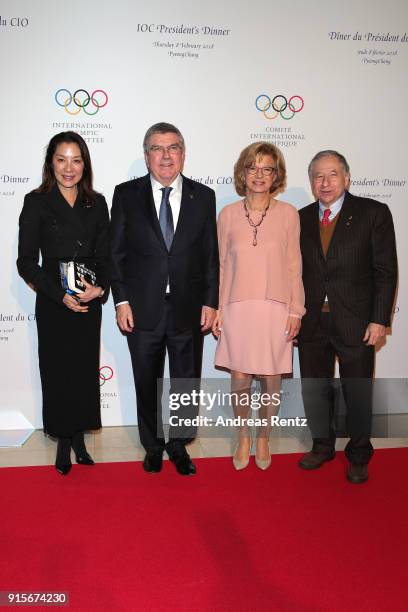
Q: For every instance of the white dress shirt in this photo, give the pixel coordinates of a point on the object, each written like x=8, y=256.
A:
x=335, y=208
x=174, y=198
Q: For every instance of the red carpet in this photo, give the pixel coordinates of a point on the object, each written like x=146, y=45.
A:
x=118, y=539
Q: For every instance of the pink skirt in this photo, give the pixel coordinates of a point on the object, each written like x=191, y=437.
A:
x=253, y=338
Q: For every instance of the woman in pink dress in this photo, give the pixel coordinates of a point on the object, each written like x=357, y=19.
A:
x=261, y=293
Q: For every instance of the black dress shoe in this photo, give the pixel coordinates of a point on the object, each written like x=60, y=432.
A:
x=183, y=464
x=357, y=473
x=315, y=459
x=153, y=462
x=84, y=459
x=63, y=469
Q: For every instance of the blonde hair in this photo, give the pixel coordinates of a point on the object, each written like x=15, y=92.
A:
x=248, y=157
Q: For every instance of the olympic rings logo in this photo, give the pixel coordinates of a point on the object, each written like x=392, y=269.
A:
x=80, y=100
x=105, y=373
x=279, y=105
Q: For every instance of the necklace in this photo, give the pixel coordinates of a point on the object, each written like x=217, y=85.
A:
x=252, y=224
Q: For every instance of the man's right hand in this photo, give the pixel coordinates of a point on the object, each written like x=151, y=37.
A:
x=124, y=317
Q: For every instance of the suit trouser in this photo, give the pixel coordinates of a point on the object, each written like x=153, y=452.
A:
x=356, y=368
x=148, y=351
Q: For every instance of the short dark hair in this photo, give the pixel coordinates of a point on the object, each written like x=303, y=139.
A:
x=329, y=153
x=162, y=128
x=248, y=157
x=85, y=188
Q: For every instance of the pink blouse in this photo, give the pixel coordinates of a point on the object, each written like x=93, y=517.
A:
x=272, y=270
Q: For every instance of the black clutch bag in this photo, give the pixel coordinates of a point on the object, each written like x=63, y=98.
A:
x=72, y=273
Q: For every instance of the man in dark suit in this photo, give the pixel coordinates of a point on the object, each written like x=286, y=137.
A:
x=164, y=283
x=349, y=276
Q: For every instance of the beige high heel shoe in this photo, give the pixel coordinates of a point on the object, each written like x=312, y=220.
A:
x=263, y=464
x=241, y=464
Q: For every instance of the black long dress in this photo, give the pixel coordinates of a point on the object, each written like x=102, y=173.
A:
x=68, y=342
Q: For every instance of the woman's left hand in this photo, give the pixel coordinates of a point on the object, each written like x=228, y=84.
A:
x=292, y=327
x=91, y=292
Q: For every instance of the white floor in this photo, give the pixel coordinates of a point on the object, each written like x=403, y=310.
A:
x=122, y=444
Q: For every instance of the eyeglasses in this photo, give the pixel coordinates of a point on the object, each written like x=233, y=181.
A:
x=264, y=170
x=172, y=149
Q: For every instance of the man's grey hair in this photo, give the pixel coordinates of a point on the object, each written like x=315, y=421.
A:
x=329, y=153
x=161, y=128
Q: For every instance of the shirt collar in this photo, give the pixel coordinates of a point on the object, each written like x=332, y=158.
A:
x=334, y=208
x=176, y=184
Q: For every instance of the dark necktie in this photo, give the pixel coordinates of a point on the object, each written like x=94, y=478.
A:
x=166, y=217
x=326, y=215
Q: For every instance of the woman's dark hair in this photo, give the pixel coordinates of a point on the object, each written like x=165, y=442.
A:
x=85, y=188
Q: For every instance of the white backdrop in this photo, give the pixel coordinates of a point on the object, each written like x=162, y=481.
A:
x=202, y=67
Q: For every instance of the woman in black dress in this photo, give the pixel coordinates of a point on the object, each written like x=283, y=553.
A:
x=64, y=219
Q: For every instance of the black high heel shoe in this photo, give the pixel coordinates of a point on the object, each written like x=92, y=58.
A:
x=82, y=457
x=63, y=460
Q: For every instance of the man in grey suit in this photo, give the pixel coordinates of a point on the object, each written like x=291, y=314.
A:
x=349, y=276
